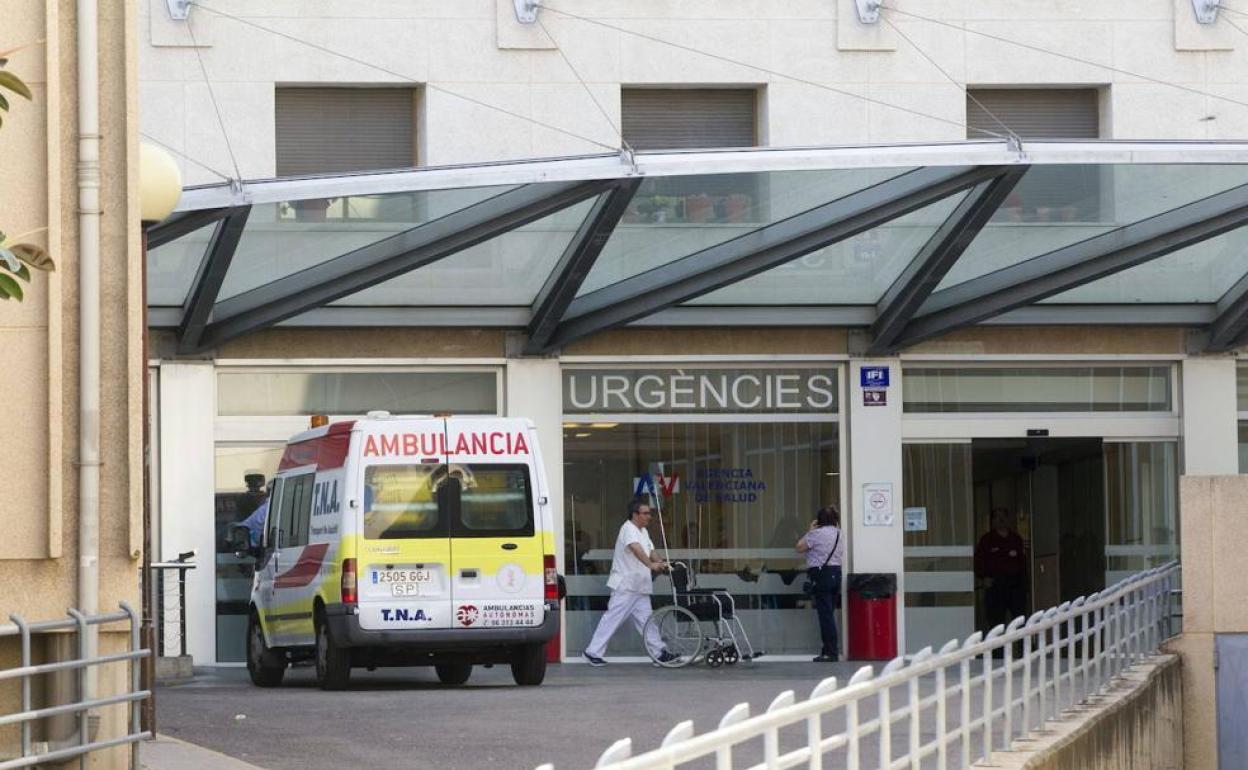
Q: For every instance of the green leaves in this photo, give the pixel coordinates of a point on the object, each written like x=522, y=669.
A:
x=9, y=288
x=14, y=83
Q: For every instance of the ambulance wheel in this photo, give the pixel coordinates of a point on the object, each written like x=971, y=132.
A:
x=528, y=664
x=333, y=663
x=265, y=666
x=453, y=673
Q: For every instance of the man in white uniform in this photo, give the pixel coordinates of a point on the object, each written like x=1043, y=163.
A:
x=630, y=583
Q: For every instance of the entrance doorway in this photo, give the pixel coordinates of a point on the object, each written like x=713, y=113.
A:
x=1052, y=493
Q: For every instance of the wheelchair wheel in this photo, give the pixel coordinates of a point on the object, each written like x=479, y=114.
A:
x=681, y=632
x=715, y=658
x=731, y=656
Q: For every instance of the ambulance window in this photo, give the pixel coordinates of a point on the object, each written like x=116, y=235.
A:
x=301, y=509
x=495, y=501
x=286, y=507
x=405, y=501
x=271, y=519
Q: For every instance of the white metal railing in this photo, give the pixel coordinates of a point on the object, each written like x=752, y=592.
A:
x=1098, y=637
x=36, y=754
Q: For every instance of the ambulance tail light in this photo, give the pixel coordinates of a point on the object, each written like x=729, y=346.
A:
x=551, y=576
x=349, y=595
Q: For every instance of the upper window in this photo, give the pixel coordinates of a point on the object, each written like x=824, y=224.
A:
x=249, y=393
x=1034, y=113
x=340, y=130
x=344, y=130
x=1055, y=193
x=1037, y=389
x=688, y=119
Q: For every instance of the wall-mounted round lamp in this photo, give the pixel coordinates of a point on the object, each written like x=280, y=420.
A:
x=160, y=183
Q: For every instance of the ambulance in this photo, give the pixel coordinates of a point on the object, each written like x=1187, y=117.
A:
x=406, y=541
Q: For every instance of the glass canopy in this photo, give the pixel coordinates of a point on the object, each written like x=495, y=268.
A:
x=911, y=242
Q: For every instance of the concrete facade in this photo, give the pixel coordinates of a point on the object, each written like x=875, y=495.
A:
x=812, y=60
x=39, y=340
x=1214, y=586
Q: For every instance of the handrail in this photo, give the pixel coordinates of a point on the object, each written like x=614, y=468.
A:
x=1098, y=635
x=31, y=754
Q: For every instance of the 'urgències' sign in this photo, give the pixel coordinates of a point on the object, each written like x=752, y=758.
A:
x=619, y=391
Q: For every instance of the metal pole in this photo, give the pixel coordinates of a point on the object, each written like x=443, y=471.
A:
x=136, y=685
x=159, y=605
x=26, y=705
x=84, y=692
x=182, y=611
x=1027, y=683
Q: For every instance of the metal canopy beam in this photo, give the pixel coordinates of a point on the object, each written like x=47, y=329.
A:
x=575, y=263
x=762, y=249
x=1044, y=276
x=1230, y=328
x=179, y=225
x=377, y=262
x=934, y=260
x=207, y=285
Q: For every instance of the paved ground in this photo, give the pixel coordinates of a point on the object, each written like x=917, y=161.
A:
x=404, y=718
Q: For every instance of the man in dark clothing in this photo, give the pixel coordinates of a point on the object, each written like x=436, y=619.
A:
x=1001, y=561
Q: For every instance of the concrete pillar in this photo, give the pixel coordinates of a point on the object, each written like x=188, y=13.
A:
x=875, y=467
x=535, y=390
x=1210, y=433
x=188, y=398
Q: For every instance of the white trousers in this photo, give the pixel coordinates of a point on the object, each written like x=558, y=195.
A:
x=623, y=605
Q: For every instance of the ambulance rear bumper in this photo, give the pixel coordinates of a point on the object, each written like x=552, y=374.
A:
x=344, y=626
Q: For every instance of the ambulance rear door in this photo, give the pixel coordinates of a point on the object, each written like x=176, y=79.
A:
x=404, y=572
x=496, y=542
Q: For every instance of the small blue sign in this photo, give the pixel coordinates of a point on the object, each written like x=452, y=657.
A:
x=874, y=376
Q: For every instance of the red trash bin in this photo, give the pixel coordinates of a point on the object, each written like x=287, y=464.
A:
x=872, y=616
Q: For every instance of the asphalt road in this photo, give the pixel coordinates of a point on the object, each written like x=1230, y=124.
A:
x=403, y=718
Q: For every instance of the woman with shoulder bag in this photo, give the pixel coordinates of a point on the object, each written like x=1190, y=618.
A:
x=824, y=547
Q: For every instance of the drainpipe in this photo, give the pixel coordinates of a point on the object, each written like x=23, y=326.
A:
x=88, y=598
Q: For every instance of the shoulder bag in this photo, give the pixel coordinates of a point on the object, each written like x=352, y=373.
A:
x=812, y=573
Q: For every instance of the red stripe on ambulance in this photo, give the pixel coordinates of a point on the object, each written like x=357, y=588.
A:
x=325, y=452
x=435, y=443
x=306, y=568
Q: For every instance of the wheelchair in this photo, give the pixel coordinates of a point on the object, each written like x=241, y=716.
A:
x=699, y=624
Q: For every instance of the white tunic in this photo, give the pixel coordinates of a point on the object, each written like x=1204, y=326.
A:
x=628, y=573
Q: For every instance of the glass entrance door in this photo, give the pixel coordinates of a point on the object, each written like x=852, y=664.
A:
x=242, y=474
x=939, y=542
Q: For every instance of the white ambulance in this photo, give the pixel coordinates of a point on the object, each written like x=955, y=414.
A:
x=403, y=542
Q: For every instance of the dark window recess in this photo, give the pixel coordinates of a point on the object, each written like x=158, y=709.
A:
x=1046, y=193
x=340, y=131
x=688, y=119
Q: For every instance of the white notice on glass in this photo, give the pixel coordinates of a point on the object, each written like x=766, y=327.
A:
x=914, y=519
x=877, y=505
